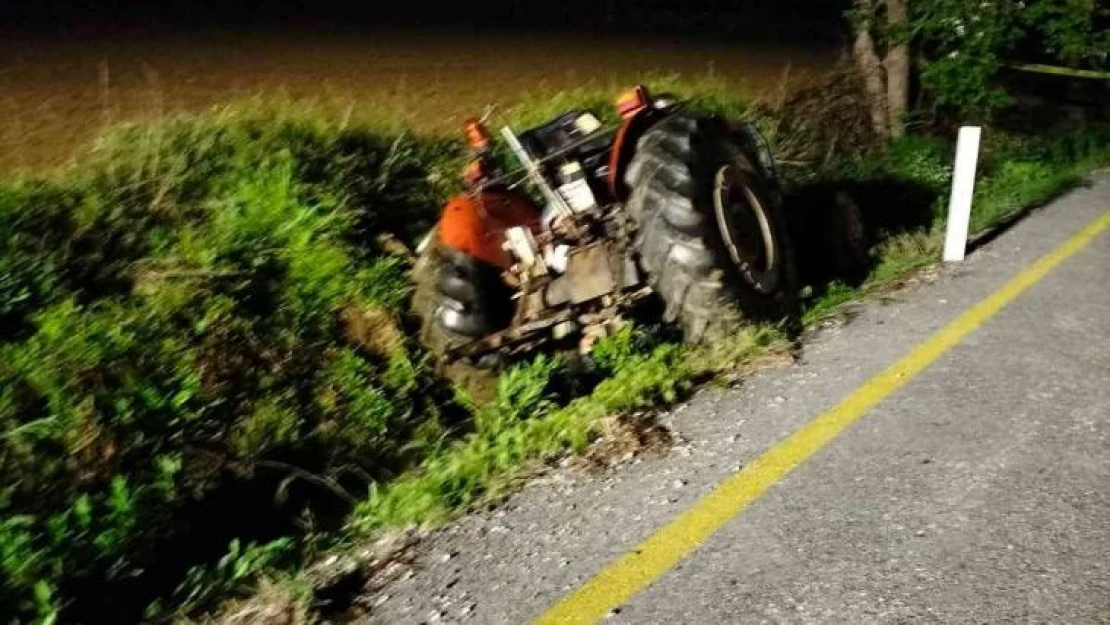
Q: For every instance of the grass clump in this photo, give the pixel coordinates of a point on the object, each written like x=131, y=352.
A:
x=524, y=424
x=1024, y=171
x=902, y=194
x=172, y=354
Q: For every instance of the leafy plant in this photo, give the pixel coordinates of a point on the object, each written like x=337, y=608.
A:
x=1069, y=30
x=964, y=44
x=236, y=571
x=173, y=329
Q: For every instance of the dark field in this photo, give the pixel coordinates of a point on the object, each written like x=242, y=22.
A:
x=56, y=92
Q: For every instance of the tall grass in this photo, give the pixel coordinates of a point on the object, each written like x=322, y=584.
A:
x=207, y=366
x=1016, y=172
x=524, y=423
x=174, y=349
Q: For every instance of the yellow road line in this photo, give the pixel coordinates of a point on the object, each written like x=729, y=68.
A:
x=622, y=579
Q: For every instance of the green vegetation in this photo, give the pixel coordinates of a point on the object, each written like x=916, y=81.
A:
x=1016, y=173
x=207, y=370
x=198, y=319
x=525, y=423
x=1022, y=173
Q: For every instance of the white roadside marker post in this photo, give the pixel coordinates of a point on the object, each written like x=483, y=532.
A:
x=963, y=186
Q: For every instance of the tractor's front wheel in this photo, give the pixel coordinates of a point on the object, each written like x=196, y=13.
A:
x=712, y=236
x=456, y=299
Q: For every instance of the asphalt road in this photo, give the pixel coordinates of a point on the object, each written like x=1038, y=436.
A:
x=978, y=492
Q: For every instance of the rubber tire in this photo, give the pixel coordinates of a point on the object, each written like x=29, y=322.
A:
x=849, y=254
x=455, y=299
x=680, y=247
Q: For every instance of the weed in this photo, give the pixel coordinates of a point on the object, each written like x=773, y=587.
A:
x=240, y=566
x=173, y=335
x=204, y=344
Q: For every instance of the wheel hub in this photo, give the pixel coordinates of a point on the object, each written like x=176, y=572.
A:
x=745, y=230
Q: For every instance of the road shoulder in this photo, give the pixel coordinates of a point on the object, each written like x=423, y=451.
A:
x=509, y=564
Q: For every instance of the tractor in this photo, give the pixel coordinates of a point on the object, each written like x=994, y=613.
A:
x=555, y=249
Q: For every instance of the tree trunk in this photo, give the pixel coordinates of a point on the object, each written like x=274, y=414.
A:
x=897, y=65
x=871, y=68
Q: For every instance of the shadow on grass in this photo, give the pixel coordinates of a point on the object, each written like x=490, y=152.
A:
x=835, y=226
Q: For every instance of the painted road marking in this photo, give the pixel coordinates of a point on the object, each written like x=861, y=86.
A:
x=625, y=577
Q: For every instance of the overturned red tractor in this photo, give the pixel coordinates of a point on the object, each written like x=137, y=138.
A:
x=667, y=204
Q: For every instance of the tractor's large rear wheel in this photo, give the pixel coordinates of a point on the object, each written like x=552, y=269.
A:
x=712, y=235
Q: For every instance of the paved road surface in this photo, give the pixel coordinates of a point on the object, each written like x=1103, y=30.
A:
x=978, y=492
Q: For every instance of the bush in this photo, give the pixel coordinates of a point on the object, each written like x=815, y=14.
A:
x=173, y=339
x=964, y=44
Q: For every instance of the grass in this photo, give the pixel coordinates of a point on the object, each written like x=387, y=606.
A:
x=174, y=356
x=525, y=424
x=1027, y=172
x=208, y=370
x=1017, y=172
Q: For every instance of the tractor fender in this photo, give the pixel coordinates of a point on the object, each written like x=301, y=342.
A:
x=624, y=147
x=474, y=223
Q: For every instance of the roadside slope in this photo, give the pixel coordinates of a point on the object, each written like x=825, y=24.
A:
x=509, y=564
x=976, y=493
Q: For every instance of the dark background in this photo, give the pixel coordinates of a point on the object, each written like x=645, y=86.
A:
x=765, y=20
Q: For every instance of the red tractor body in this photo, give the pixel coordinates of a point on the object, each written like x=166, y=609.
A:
x=663, y=203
